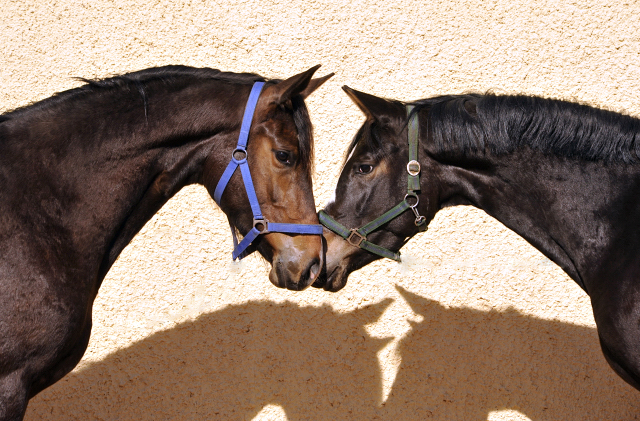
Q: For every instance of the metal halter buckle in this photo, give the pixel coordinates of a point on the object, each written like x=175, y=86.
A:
x=413, y=167
x=359, y=237
x=420, y=220
x=262, y=225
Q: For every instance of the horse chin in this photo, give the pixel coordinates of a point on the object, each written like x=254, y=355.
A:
x=336, y=280
x=282, y=281
x=332, y=280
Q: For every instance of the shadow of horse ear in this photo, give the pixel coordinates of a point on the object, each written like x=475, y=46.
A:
x=417, y=302
x=372, y=312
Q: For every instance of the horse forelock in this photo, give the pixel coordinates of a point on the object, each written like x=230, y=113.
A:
x=305, y=133
x=368, y=136
x=471, y=124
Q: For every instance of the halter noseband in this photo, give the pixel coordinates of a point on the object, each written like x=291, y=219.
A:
x=239, y=159
x=358, y=236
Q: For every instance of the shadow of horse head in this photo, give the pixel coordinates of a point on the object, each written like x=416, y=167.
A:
x=463, y=363
x=318, y=363
x=314, y=362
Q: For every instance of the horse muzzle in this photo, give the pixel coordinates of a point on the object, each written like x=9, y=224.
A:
x=298, y=265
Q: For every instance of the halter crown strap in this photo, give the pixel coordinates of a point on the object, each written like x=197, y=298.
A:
x=358, y=236
x=239, y=159
x=413, y=167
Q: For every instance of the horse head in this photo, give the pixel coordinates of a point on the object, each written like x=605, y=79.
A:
x=363, y=223
x=279, y=153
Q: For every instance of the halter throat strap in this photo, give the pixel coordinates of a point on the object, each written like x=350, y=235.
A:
x=239, y=159
x=358, y=236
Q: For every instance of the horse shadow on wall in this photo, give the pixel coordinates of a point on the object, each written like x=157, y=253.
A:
x=318, y=364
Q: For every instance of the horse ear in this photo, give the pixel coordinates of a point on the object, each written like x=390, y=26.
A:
x=315, y=84
x=372, y=106
x=295, y=85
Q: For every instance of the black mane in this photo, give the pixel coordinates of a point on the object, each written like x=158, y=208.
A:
x=139, y=80
x=474, y=123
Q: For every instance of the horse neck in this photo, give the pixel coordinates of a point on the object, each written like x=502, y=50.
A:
x=109, y=172
x=559, y=205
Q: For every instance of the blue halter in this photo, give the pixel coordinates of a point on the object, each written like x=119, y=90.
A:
x=239, y=159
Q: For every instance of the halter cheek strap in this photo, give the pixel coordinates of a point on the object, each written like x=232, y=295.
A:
x=239, y=159
x=358, y=236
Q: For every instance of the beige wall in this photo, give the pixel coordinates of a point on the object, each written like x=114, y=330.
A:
x=487, y=328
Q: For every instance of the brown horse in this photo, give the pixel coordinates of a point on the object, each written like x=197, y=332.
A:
x=83, y=171
x=564, y=176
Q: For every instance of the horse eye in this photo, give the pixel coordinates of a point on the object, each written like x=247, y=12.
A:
x=364, y=168
x=283, y=157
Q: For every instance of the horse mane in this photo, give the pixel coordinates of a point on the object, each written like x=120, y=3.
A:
x=139, y=80
x=136, y=79
x=474, y=123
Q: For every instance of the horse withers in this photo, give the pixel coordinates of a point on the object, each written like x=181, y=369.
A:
x=564, y=176
x=82, y=171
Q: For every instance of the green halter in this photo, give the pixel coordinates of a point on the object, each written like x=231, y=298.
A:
x=358, y=236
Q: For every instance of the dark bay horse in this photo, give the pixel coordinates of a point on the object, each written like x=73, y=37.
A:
x=82, y=171
x=564, y=176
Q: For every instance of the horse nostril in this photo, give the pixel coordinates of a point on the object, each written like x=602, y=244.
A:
x=312, y=272
x=301, y=280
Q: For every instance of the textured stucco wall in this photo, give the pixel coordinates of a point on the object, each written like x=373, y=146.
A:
x=485, y=327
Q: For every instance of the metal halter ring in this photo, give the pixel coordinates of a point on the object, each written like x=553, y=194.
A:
x=242, y=153
x=413, y=167
x=359, y=237
x=415, y=196
x=261, y=225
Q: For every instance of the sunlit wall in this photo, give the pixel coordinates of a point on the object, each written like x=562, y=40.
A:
x=475, y=325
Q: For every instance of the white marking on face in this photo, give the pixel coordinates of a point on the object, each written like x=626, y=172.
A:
x=349, y=157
